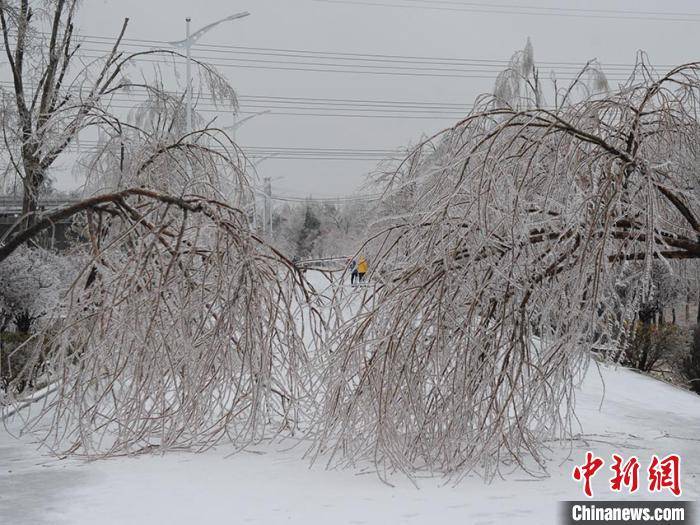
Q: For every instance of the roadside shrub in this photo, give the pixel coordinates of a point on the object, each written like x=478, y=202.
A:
x=32, y=281
x=651, y=343
x=13, y=358
x=691, y=364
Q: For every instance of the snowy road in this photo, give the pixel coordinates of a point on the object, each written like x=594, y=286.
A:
x=638, y=416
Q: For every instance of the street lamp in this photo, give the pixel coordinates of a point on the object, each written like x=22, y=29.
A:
x=238, y=124
x=187, y=43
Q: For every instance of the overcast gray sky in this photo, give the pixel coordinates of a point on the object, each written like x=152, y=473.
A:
x=446, y=32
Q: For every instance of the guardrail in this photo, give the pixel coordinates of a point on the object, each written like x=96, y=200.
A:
x=328, y=264
x=13, y=205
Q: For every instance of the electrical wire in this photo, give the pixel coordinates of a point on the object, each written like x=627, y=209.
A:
x=451, y=6
x=291, y=153
x=358, y=69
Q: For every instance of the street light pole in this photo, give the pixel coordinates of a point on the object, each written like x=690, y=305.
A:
x=268, y=206
x=187, y=43
x=188, y=49
x=239, y=123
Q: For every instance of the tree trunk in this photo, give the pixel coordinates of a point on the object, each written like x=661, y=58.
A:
x=33, y=179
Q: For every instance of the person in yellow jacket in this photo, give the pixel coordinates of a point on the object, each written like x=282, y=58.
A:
x=362, y=268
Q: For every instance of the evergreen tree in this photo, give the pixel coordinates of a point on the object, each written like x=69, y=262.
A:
x=309, y=233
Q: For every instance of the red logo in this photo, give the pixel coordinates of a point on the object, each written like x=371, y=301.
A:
x=663, y=474
x=626, y=475
x=587, y=471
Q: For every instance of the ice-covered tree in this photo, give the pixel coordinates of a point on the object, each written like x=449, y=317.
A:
x=56, y=94
x=309, y=232
x=344, y=226
x=32, y=282
x=649, y=289
x=519, y=84
x=493, y=288
x=181, y=326
x=319, y=229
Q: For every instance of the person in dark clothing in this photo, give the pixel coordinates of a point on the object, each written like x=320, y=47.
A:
x=354, y=276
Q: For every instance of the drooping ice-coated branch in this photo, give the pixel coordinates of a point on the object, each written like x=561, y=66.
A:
x=181, y=331
x=498, y=278
x=183, y=327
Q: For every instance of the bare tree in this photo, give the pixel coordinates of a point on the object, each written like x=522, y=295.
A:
x=56, y=94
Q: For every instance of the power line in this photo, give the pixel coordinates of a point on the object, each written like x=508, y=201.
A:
x=293, y=153
x=358, y=70
x=374, y=57
x=354, y=63
x=293, y=149
x=350, y=199
x=375, y=62
x=437, y=5
x=290, y=193
x=312, y=114
x=478, y=68
x=354, y=58
x=307, y=107
x=558, y=9
x=142, y=95
x=245, y=103
x=370, y=60
x=354, y=102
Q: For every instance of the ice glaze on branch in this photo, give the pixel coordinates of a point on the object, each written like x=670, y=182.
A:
x=499, y=274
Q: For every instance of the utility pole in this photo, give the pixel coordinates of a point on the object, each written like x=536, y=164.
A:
x=255, y=211
x=188, y=72
x=268, y=205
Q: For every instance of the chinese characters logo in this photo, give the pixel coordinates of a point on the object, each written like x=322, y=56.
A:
x=662, y=474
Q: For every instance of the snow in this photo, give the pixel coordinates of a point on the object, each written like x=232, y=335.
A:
x=275, y=485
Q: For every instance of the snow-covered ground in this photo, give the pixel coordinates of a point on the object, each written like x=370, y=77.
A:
x=638, y=416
